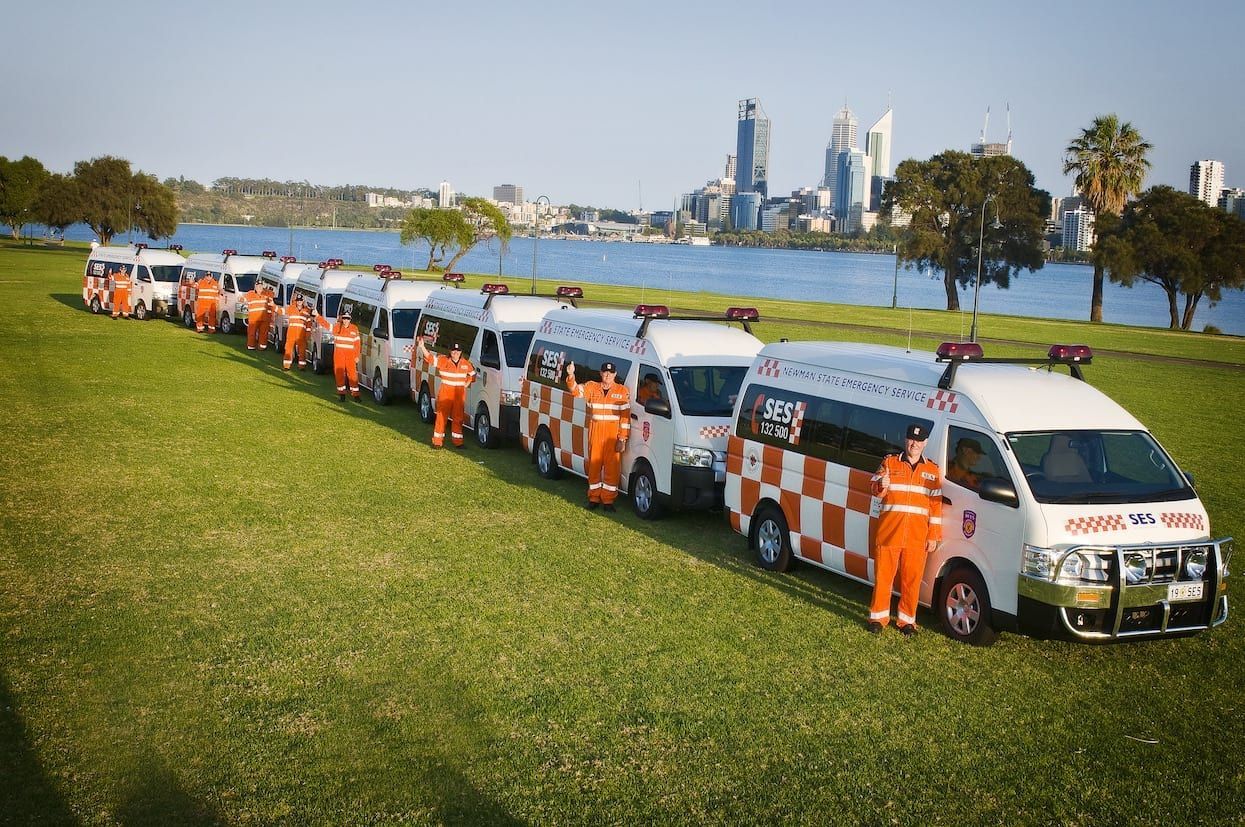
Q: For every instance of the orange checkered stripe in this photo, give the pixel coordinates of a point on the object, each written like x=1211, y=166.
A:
x=1183, y=520
x=97, y=286
x=826, y=505
x=422, y=372
x=715, y=431
x=1095, y=525
x=556, y=409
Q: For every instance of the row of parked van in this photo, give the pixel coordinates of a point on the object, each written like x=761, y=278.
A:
x=1061, y=512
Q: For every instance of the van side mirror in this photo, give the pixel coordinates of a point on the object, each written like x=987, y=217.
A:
x=658, y=407
x=1189, y=477
x=999, y=491
x=379, y=333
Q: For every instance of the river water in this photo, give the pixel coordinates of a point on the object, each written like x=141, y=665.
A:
x=1057, y=291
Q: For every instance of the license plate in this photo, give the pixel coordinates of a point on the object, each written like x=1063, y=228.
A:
x=1183, y=592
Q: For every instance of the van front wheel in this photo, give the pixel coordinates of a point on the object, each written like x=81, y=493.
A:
x=964, y=607
x=643, y=489
x=486, y=434
x=770, y=539
x=379, y=392
x=96, y=307
x=140, y=312
x=226, y=324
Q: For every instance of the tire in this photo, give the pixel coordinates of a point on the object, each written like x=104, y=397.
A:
x=140, y=312
x=963, y=606
x=188, y=316
x=546, y=457
x=426, y=412
x=770, y=539
x=379, y=392
x=486, y=434
x=226, y=325
x=318, y=365
x=644, y=498
x=96, y=307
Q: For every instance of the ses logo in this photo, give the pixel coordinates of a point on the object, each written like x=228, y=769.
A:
x=779, y=419
x=431, y=330
x=550, y=364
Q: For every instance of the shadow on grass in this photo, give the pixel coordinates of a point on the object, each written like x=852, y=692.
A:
x=156, y=797
x=27, y=794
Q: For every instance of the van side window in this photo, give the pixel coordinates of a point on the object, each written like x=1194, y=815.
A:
x=490, y=353
x=547, y=364
x=445, y=332
x=228, y=285
x=382, y=325
x=651, y=385
x=872, y=434
x=972, y=457
x=144, y=274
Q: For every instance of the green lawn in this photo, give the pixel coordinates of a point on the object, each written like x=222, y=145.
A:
x=226, y=597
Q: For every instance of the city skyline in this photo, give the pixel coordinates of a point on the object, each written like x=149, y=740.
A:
x=570, y=113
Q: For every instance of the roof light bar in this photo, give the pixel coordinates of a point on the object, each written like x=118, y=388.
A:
x=1070, y=353
x=743, y=314
x=391, y=274
x=565, y=292
x=140, y=246
x=269, y=254
x=495, y=289
x=380, y=268
x=453, y=277
x=961, y=351
x=228, y=253
x=652, y=311
x=175, y=247
x=288, y=259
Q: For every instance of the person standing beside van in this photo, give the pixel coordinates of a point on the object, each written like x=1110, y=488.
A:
x=295, y=324
x=909, y=527
x=265, y=320
x=456, y=374
x=609, y=426
x=121, y=292
x=207, y=291
x=256, y=306
x=347, y=345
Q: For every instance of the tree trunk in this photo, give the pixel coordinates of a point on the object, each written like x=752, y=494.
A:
x=948, y=280
x=1171, y=308
x=1190, y=307
x=449, y=268
x=1095, y=301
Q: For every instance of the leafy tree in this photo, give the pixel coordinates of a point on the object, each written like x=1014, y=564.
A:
x=59, y=203
x=1109, y=159
x=454, y=232
x=1179, y=243
x=20, y=182
x=946, y=196
x=115, y=200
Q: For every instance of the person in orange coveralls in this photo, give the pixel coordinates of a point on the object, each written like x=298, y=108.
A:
x=909, y=528
x=256, y=306
x=347, y=346
x=265, y=321
x=609, y=426
x=295, y=326
x=207, y=291
x=121, y=292
x=456, y=374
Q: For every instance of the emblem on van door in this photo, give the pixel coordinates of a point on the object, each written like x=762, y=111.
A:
x=969, y=525
x=645, y=430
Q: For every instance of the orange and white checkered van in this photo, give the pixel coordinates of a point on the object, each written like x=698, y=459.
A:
x=153, y=275
x=1061, y=513
x=683, y=374
x=235, y=275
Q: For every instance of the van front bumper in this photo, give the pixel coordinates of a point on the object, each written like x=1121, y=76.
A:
x=509, y=425
x=694, y=488
x=1118, y=610
x=400, y=382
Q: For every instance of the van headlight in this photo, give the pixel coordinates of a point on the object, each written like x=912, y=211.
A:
x=1195, y=564
x=514, y=398
x=1134, y=567
x=399, y=363
x=1037, y=562
x=692, y=457
x=240, y=308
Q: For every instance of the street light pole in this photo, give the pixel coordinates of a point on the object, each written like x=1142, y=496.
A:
x=981, y=238
x=536, y=239
x=895, y=294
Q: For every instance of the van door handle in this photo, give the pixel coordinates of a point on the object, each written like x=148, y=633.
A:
x=946, y=500
x=633, y=416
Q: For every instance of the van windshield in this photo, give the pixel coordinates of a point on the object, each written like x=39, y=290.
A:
x=709, y=390
x=166, y=272
x=404, y=322
x=516, y=344
x=245, y=281
x=1088, y=467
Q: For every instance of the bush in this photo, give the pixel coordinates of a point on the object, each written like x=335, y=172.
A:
x=1212, y=330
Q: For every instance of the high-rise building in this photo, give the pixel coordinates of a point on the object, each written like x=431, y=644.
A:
x=752, y=148
x=730, y=167
x=445, y=195
x=1206, y=181
x=508, y=194
x=1078, y=230
x=1232, y=201
x=878, y=145
x=842, y=138
x=852, y=198
x=984, y=149
x=745, y=210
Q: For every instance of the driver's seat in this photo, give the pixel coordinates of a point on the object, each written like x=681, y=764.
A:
x=1062, y=463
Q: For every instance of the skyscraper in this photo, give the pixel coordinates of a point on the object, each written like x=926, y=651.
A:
x=508, y=194
x=752, y=148
x=842, y=138
x=878, y=145
x=445, y=195
x=1206, y=181
x=852, y=198
x=730, y=167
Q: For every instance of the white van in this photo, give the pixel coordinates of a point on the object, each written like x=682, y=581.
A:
x=1061, y=513
x=495, y=329
x=683, y=373
x=236, y=275
x=386, y=309
x=153, y=275
x=322, y=287
x=281, y=276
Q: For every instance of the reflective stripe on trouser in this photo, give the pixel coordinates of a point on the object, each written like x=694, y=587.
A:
x=252, y=330
x=292, y=344
x=347, y=373
x=909, y=562
x=451, y=405
x=603, y=462
x=205, y=315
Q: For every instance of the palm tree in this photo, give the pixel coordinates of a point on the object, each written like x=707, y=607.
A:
x=1109, y=159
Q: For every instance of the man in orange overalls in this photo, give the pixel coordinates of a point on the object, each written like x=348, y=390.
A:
x=609, y=426
x=347, y=345
x=121, y=292
x=909, y=528
x=295, y=326
x=207, y=291
x=256, y=307
x=456, y=374
x=265, y=320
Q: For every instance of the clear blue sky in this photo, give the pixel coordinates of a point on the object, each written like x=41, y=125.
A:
x=580, y=101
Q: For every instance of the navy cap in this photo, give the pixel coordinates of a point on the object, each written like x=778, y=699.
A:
x=917, y=431
x=345, y=314
x=608, y=366
x=456, y=346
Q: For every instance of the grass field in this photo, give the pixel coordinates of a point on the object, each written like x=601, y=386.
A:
x=227, y=598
